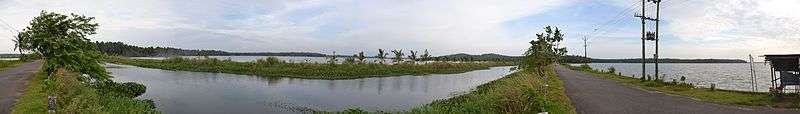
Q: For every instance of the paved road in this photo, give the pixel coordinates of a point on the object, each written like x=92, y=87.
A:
x=13, y=82
x=593, y=95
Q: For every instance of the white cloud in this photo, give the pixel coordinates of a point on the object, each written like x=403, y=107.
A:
x=444, y=26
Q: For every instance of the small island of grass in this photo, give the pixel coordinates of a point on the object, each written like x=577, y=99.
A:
x=272, y=67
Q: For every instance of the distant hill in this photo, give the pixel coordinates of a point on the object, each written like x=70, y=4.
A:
x=579, y=59
x=121, y=49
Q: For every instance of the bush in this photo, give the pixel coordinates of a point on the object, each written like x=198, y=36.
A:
x=612, y=70
x=269, y=61
x=127, y=89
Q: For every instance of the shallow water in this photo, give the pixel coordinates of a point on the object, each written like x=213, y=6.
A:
x=729, y=76
x=198, y=92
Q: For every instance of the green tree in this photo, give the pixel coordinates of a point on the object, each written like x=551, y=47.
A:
x=361, y=57
x=382, y=55
x=413, y=56
x=544, y=50
x=398, y=55
x=62, y=43
x=332, y=59
x=425, y=55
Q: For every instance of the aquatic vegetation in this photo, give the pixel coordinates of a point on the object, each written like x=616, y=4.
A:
x=307, y=70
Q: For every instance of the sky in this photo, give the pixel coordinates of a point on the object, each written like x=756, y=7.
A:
x=688, y=28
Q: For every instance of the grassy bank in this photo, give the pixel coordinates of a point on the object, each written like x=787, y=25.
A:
x=272, y=67
x=702, y=94
x=5, y=64
x=74, y=97
x=520, y=92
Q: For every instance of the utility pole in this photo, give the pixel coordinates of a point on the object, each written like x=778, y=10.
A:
x=658, y=6
x=649, y=35
x=585, y=48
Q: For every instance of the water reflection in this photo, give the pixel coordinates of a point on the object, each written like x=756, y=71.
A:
x=198, y=92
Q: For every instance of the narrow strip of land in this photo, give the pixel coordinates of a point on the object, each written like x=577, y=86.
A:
x=594, y=95
x=13, y=82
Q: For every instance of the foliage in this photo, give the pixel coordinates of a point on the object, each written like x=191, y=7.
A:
x=306, y=70
x=349, y=60
x=611, y=70
x=332, y=59
x=9, y=63
x=361, y=57
x=268, y=61
x=413, y=55
x=518, y=92
x=128, y=89
x=425, y=55
x=61, y=41
x=398, y=55
x=382, y=55
x=78, y=98
x=544, y=49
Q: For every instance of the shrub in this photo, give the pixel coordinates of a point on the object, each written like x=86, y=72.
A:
x=127, y=89
x=611, y=70
x=269, y=61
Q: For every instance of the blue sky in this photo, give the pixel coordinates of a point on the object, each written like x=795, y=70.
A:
x=690, y=28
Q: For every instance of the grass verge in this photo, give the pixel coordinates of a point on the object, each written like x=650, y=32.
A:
x=5, y=64
x=75, y=97
x=272, y=67
x=701, y=94
x=522, y=92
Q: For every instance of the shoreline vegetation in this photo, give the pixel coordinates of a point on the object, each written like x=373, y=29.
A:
x=75, y=96
x=523, y=91
x=273, y=67
x=702, y=94
x=519, y=92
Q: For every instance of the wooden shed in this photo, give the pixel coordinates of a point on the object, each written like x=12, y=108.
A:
x=787, y=68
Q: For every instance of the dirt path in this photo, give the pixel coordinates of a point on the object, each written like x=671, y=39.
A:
x=13, y=82
x=594, y=95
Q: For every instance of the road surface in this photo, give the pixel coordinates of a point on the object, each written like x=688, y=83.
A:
x=13, y=82
x=595, y=95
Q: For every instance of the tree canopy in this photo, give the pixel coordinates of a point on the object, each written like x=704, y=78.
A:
x=544, y=49
x=62, y=42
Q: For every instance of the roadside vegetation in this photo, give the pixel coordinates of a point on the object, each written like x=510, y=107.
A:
x=273, y=67
x=534, y=88
x=76, y=97
x=72, y=80
x=679, y=87
x=523, y=92
x=5, y=64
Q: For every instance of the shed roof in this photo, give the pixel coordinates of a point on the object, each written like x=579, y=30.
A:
x=784, y=62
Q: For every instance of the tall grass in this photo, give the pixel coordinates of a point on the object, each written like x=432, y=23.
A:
x=5, y=64
x=272, y=67
x=74, y=97
x=522, y=92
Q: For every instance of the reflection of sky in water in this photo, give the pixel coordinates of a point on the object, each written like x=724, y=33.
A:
x=731, y=76
x=198, y=92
